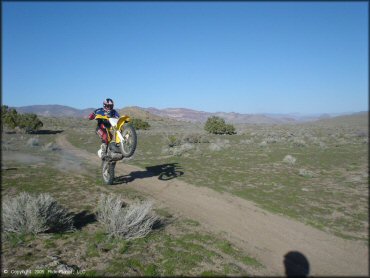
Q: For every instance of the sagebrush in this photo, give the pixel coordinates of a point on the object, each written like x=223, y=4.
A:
x=27, y=214
x=289, y=159
x=125, y=221
x=33, y=142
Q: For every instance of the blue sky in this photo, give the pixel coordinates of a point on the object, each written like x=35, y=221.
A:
x=247, y=57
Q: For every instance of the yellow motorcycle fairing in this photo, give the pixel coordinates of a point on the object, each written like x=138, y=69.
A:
x=101, y=117
x=116, y=129
x=122, y=120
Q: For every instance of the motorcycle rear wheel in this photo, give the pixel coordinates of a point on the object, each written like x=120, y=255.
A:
x=108, y=172
x=129, y=143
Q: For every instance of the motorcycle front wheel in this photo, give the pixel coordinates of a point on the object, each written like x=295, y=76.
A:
x=129, y=142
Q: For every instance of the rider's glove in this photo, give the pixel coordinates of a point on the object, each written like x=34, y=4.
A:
x=92, y=116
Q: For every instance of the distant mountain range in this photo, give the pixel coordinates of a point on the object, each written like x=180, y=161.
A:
x=54, y=111
x=181, y=114
x=185, y=114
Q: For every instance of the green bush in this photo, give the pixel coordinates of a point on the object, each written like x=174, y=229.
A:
x=140, y=124
x=172, y=140
x=9, y=116
x=28, y=122
x=217, y=125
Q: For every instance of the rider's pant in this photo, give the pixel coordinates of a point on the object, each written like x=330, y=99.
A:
x=103, y=134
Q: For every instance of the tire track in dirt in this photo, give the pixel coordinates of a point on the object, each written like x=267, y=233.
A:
x=265, y=236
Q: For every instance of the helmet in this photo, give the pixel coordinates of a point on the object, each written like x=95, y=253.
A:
x=108, y=104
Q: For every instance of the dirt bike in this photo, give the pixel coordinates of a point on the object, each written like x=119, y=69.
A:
x=122, y=144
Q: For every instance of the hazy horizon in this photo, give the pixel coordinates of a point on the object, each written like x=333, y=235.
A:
x=207, y=111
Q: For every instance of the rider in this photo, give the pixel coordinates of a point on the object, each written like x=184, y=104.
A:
x=101, y=129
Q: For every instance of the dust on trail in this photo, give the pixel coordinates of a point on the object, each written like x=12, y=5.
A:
x=69, y=163
x=21, y=157
x=265, y=236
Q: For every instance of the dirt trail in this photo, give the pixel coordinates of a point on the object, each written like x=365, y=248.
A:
x=265, y=236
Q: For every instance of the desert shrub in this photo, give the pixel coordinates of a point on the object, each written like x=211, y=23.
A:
x=121, y=221
x=8, y=116
x=5, y=146
x=299, y=142
x=219, y=145
x=217, y=125
x=33, y=142
x=171, y=140
x=26, y=214
x=229, y=129
x=140, y=124
x=186, y=147
x=180, y=144
x=215, y=147
x=306, y=173
x=194, y=138
x=289, y=159
x=322, y=145
x=51, y=147
x=178, y=150
x=263, y=144
x=28, y=122
x=340, y=142
x=246, y=141
x=271, y=140
x=314, y=140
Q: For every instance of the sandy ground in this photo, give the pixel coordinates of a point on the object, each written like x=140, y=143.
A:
x=265, y=236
